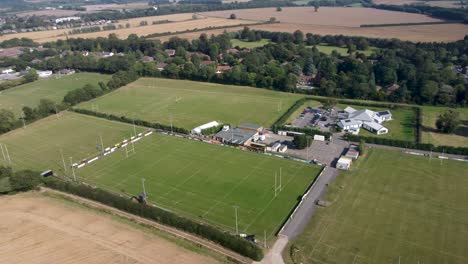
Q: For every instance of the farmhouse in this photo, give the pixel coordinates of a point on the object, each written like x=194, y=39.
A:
x=352, y=120
x=161, y=65
x=147, y=59
x=199, y=129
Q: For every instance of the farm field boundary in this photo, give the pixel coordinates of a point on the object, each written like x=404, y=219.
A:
x=230, y=255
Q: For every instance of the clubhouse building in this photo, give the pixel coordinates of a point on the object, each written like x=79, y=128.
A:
x=351, y=120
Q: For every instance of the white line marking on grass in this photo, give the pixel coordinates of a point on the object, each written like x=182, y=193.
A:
x=232, y=189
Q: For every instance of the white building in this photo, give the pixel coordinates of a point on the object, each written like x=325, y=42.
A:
x=44, y=74
x=199, y=129
x=352, y=120
x=8, y=71
x=66, y=19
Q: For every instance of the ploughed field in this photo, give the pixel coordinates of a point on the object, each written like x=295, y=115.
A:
x=204, y=182
x=391, y=208
x=189, y=104
x=53, y=88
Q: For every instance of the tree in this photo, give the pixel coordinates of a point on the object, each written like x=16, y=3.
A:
x=316, y=7
x=24, y=180
x=29, y=114
x=31, y=76
x=7, y=120
x=279, y=9
x=233, y=16
x=362, y=147
x=429, y=91
x=46, y=107
x=329, y=103
x=448, y=121
x=298, y=37
x=301, y=141
x=272, y=19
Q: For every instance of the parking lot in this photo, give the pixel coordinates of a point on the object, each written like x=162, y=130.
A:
x=321, y=151
x=315, y=117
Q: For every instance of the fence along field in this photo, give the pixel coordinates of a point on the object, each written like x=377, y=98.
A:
x=189, y=104
x=394, y=208
x=53, y=88
x=39, y=146
x=205, y=182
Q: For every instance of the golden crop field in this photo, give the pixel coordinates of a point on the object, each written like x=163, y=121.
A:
x=347, y=21
x=104, y=7
x=53, y=35
x=420, y=33
x=326, y=16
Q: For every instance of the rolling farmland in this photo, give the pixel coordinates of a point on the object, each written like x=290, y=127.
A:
x=346, y=21
x=53, y=88
x=177, y=26
x=189, y=104
x=204, y=181
x=392, y=208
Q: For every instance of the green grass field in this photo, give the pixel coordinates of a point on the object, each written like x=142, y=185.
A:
x=54, y=88
x=249, y=45
x=430, y=135
x=204, y=181
x=189, y=104
x=39, y=145
x=393, y=208
x=401, y=127
x=343, y=51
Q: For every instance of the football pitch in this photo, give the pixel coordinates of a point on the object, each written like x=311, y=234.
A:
x=188, y=104
x=41, y=144
x=393, y=208
x=53, y=88
x=205, y=182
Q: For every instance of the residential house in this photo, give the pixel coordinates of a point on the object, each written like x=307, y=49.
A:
x=392, y=88
x=221, y=69
x=161, y=65
x=170, y=52
x=147, y=59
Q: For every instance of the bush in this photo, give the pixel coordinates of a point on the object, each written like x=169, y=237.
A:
x=302, y=141
x=224, y=239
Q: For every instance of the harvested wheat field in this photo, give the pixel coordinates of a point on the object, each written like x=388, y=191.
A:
x=328, y=16
x=395, y=2
x=56, y=12
x=422, y=33
x=46, y=36
x=42, y=229
x=128, y=6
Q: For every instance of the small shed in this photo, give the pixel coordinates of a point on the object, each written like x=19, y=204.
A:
x=344, y=163
x=283, y=148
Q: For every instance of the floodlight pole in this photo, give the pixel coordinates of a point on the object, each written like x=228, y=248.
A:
x=143, y=183
x=24, y=122
x=73, y=169
x=3, y=153
x=235, y=211
x=276, y=182
x=134, y=128
x=63, y=161
x=264, y=239
x=8, y=154
x=102, y=143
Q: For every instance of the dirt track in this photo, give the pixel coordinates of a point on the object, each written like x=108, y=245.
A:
x=39, y=229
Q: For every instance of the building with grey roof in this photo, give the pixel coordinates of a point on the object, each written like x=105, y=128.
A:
x=236, y=136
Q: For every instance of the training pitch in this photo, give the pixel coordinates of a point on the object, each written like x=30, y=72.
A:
x=204, y=182
x=53, y=88
x=189, y=104
x=41, y=144
x=394, y=208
